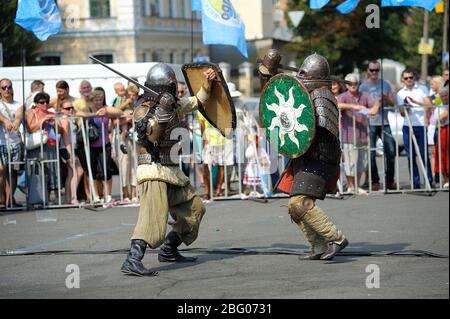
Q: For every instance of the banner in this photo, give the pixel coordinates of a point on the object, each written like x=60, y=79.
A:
x=222, y=25
x=196, y=5
x=426, y=4
x=347, y=6
x=42, y=17
x=318, y=4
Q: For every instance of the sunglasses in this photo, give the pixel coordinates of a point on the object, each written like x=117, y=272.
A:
x=4, y=88
x=374, y=70
x=42, y=102
x=408, y=78
x=352, y=84
x=68, y=108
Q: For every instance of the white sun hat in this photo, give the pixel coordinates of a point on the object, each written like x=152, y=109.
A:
x=233, y=91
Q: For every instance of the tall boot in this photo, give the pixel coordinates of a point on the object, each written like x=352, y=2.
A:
x=318, y=244
x=320, y=223
x=169, y=250
x=133, y=264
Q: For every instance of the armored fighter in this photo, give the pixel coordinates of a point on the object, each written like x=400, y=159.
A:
x=163, y=186
x=300, y=114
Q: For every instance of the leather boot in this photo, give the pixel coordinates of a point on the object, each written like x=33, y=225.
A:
x=333, y=249
x=322, y=225
x=133, y=264
x=169, y=250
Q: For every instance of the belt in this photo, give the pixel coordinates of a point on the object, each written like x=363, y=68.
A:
x=164, y=159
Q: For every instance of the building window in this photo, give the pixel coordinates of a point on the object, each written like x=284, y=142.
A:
x=172, y=58
x=156, y=56
x=172, y=9
x=99, y=8
x=104, y=57
x=150, y=8
x=49, y=59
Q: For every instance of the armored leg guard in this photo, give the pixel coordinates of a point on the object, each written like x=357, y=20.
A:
x=133, y=264
x=317, y=226
x=318, y=244
x=169, y=250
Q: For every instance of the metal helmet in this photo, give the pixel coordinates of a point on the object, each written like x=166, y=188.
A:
x=161, y=78
x=315, y=72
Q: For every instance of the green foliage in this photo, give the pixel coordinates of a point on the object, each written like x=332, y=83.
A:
x=14, y=37
x=347, y=42
x=412, y=34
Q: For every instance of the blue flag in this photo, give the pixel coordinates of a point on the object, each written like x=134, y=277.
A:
x=347, y=6
x=42, y=17
x=196, y=5
x=222, y=25
x=426, y=4
x=318, y=4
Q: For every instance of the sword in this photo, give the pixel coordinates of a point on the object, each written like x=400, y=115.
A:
x=146, y=89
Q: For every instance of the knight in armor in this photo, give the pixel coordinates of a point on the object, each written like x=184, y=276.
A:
x=163, y=186
x=315, y=173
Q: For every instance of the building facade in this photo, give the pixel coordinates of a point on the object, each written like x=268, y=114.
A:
x=125, y=31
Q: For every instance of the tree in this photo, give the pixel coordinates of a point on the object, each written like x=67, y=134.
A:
x=413, y=32
x=344, y=39
x=13, y=37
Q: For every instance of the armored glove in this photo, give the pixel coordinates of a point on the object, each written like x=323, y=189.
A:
x=166, y=107
x=270, y=62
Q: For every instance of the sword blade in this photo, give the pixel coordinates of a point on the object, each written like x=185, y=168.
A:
x=146, y=89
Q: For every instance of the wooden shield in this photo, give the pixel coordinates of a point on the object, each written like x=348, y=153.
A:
x=287, y=113
x=219, y=110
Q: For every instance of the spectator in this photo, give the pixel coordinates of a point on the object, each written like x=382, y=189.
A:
x=36, y=87
x=62, y=92
x=127, y=107
x=11, y=146
x=443, y=139
x=127, y=158
x=41, y=118
x=337, y=88
x=412, y=100
x=83, y=102
x=182, y=89
x=380, y=90
x=85, y=96
x=99, y=116
x=74, y=169
x=354, y=109
x=445, y=76
x=436, y=83
x=217, y=150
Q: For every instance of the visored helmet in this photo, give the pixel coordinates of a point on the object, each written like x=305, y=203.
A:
x=315, y=72
x=161, y=78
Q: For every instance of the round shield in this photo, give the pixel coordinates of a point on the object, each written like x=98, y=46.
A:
x=287, y=113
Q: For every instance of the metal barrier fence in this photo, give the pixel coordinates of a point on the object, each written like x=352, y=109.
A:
x=249, y=171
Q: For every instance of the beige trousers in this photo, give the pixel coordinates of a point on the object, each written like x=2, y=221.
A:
x=127, y=164
x=317, y=227
x=157, y=200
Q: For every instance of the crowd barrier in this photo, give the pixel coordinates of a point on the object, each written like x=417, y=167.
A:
x=256, y=168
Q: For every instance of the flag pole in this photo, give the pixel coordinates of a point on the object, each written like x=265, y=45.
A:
x=22, y=62
x=192, y=36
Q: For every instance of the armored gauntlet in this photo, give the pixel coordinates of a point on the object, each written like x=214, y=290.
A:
x=166, y=107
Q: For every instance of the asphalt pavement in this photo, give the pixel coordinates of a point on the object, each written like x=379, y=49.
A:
x=399, y=247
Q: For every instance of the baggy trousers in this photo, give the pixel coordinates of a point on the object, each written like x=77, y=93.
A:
x=158, y=198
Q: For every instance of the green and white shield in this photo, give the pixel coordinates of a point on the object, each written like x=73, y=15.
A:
x=287, y=114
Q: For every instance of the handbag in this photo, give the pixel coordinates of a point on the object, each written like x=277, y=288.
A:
x=93, y=133
x=34, y=140
x=36, y=193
